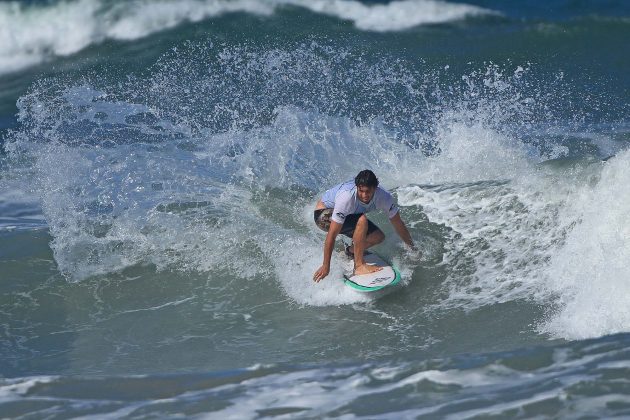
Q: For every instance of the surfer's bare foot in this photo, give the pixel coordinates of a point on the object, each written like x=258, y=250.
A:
x=366, y=269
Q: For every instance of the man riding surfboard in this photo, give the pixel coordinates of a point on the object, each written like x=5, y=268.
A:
x=342, y=210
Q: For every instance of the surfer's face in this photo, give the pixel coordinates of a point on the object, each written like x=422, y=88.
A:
x=365, y=193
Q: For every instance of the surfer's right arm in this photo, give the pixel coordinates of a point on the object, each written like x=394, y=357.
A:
x=329, y=245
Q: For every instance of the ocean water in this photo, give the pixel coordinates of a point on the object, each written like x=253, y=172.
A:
x=160, y=160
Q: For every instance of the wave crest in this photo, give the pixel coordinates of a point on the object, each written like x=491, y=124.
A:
x=30, y=35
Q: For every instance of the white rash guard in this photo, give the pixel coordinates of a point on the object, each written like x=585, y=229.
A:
x=343, y=200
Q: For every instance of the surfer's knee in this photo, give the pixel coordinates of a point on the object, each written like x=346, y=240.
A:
x=322, y=218
x=361, y=228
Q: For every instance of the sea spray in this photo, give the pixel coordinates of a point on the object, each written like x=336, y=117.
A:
x=153, y=172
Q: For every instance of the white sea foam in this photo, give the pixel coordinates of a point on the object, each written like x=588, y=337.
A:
x=558, y=240
x=486, y=190
x=32, y=34
x=11, y=388
x=393, y=16
x=472, y=152
x=590, y=274
x=310, y=389
x=500, y=237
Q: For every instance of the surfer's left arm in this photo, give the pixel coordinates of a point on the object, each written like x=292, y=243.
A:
x=402, y=230
x=329, y=244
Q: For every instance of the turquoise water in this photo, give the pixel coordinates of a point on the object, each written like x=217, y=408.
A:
x=159, y=166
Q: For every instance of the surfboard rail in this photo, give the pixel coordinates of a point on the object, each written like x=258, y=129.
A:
x=348, y=282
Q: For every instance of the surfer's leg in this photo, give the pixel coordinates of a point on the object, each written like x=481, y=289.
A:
x=359, y=238
x=374, y=237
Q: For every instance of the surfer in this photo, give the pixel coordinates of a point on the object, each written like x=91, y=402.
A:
x=342, y=210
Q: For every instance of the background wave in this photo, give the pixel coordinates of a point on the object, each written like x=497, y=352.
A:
x=31, y=34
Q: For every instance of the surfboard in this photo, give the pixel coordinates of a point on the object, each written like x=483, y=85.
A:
x=372, y=282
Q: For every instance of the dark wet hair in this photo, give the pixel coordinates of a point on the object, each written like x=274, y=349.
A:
x=366, y=178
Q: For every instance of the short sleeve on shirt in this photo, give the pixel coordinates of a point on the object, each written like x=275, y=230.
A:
x=385, y=202
x=343, y=207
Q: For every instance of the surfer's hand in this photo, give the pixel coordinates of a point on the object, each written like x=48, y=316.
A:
x=321, y=273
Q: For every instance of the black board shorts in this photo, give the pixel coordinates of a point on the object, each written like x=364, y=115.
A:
x=322, y=220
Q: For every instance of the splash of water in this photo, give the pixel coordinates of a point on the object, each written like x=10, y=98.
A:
x=222, y=176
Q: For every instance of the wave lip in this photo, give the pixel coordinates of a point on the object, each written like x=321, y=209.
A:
x=394, y=16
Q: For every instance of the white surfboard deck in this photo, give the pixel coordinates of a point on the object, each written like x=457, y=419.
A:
x=388, y=276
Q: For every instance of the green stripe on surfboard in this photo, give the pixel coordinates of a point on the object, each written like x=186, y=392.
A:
x=360, y=288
